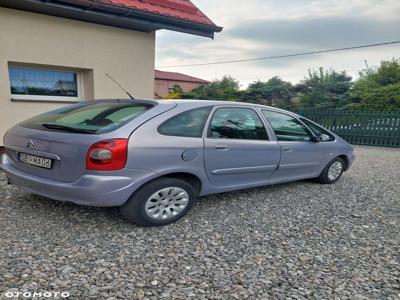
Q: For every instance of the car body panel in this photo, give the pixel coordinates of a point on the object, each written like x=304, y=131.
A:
x=298, y=160
x=176, y=155
x=91, y=190
x=243, y=164
x=69, y=148
x=258, y=160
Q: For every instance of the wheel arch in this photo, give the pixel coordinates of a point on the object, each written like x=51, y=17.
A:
x=190, y=178
x=346, y=161
x=194, y=180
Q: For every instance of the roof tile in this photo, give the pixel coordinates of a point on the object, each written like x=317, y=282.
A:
x=177, y=77
x=180, y=9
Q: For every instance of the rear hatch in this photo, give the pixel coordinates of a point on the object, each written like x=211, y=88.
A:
x=60, y=139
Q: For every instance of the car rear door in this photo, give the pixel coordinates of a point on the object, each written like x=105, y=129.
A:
x=301, y=156
x=237, y=149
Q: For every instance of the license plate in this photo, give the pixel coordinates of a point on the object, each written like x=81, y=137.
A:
x=35, y=160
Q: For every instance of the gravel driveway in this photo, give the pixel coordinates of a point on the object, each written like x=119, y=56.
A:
x=297, y=240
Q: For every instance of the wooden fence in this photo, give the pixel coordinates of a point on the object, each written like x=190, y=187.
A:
x=360, y=127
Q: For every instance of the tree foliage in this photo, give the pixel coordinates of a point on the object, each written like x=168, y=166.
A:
x=274, y=92
x=174, y=93
x=225, y=89
x=324, y=89
x=377, y=89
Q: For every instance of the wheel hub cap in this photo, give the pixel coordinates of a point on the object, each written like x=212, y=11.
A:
x=166, y=203
x=335, y=170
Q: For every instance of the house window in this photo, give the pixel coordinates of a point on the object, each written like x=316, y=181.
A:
x=29, y=83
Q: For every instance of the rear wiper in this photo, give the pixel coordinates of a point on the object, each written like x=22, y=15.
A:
x=67, y=128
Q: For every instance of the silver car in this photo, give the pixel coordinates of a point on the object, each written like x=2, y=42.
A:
x=154, y=158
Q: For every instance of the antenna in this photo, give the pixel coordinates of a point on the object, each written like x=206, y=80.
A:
x=130, y=96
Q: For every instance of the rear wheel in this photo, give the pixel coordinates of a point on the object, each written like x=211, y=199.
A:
x=160, y=202
x=332, y=172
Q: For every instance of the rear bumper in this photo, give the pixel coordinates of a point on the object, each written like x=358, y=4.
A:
x=91, y=190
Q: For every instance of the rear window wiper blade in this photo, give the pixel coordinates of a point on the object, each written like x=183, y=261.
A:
x=67, y=128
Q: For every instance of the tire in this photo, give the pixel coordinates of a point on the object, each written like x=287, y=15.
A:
x=326, y=176
x=160, y=202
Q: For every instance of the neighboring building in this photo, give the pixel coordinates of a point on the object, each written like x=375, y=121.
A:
x=57, y=51
x=165, y=81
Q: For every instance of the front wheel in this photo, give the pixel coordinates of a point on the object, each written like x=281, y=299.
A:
x=332, y=172
x=160, y=202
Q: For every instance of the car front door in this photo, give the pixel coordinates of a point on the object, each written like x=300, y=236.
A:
x=301, y=156
x=237, y=150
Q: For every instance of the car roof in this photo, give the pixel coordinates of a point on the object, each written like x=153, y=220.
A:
x=195, y=103
x=201, y=103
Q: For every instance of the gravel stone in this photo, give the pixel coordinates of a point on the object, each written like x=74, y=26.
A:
x=298, y=240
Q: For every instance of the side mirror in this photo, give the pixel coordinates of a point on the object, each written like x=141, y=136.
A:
x=318, y=138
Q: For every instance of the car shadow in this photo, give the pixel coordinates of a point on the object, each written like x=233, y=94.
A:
x=106, y=216
x=46, y=206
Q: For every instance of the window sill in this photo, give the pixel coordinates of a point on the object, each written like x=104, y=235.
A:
x=44, y=100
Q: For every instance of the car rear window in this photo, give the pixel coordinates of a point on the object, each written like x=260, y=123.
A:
x=89, y=117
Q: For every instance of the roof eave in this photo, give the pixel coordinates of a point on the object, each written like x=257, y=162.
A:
x=183, y=80
x=111, y=15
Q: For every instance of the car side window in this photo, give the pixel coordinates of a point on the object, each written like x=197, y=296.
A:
x=319, y=131
x=187, y=124
x=237, y=123
x=287, y=128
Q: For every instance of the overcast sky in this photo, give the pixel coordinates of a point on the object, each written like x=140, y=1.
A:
x=259, y=28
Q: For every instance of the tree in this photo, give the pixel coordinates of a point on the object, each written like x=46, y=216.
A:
x=274, y=92
x=225, y=89
x=378, y=89
x=325, y=89
x=174, y=93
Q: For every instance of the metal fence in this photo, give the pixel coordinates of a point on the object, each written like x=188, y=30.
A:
x=360, y=127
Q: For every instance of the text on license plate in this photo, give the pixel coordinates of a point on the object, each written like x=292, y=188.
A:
x=35, y=160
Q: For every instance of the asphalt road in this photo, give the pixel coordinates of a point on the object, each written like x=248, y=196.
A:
x=299, y=240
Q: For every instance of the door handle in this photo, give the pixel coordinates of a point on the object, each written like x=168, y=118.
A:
x=287, y=149
x=221, y=147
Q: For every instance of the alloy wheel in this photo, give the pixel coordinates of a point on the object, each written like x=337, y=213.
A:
x=335, y=170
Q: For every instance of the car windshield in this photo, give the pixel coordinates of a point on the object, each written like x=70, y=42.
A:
x=89, y=117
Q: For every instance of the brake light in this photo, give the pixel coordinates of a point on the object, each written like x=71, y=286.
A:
x=108, y=155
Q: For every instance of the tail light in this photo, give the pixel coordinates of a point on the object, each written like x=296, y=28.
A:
x=108, y=155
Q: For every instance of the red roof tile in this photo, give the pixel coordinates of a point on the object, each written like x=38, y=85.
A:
x=140, y=15
x=177, y=77
x=180, y=9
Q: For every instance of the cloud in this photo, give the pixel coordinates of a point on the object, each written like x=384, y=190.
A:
x=328, y=32
x=260, y=28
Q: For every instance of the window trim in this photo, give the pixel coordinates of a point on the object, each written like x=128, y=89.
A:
x=209, y=108
x=316, y=135
x=43, y=98
x=311, y=132
x=208, y=132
